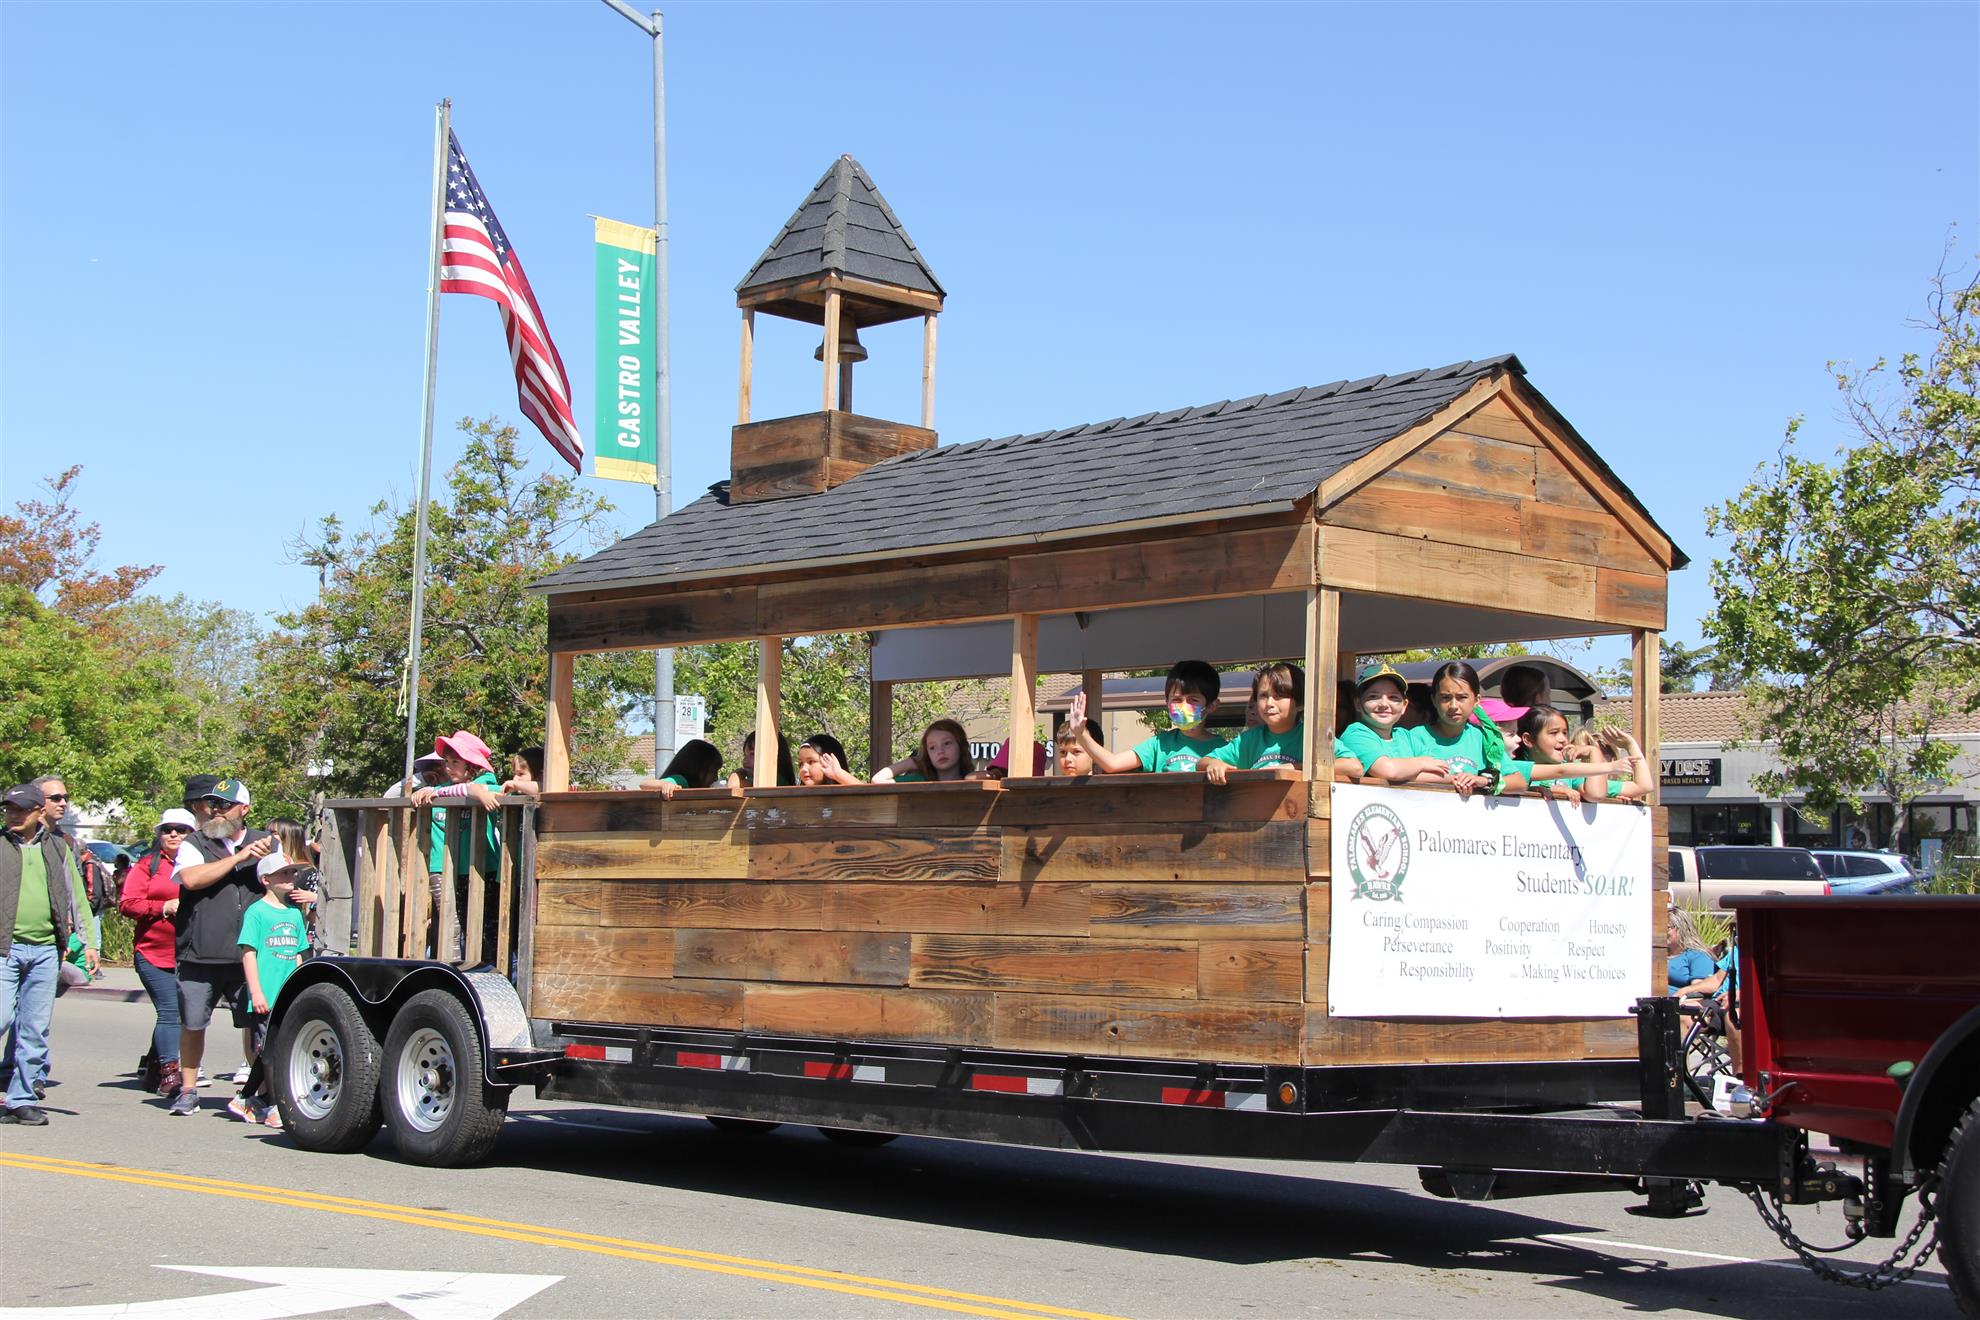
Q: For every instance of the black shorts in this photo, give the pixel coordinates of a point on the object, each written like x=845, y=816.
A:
x=203, y=987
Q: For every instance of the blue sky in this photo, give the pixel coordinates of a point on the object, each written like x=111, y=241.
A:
x=213, y=224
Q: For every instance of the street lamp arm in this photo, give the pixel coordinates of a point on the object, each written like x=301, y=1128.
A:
x=645, y=24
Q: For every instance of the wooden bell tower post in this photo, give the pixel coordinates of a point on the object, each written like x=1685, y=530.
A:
x=842, y=261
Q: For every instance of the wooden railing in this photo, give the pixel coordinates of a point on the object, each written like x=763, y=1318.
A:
x=383, y=847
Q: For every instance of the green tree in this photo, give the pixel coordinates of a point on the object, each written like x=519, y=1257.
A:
x=328, y=699
x=1849, y=600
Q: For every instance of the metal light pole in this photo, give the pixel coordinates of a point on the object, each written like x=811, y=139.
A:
x=663, y=468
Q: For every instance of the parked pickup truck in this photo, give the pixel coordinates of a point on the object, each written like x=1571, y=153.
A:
x=1701, y=876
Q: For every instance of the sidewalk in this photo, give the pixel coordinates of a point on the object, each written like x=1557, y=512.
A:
x=116, y=983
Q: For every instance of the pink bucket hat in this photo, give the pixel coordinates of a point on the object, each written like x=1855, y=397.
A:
x=466, y=746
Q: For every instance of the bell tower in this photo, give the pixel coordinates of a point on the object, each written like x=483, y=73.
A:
x=840, y=262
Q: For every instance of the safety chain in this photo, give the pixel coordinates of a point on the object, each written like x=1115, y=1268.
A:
x=1888, y=1271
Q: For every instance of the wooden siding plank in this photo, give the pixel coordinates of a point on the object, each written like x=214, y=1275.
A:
x=590, y=951
x=1497, y=421
x=1271, y=851
x=858, y=1013
x=932, y=594
x=1633, y=598
x=1197, y=912
x=945, y=855
x=1431, y=511
x=1357, y=560
x=654, y=620
x=1271, y=971
x=1234, y=563
x=736, y=905
x=1319, y=849
x=1584, y=536
x=980, y=909
x=637, y=812
x=811, y=808
x=1149, y=1028
x=1387, y=1040
x=684, y=855
x=638, y=1001
x=568, y=902
x=1472, y=465
x=827, y=957
x=1049, y=966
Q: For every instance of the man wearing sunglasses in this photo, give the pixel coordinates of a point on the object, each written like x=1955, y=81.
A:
x=40, y=897
x=97, y=884
x=215, y=867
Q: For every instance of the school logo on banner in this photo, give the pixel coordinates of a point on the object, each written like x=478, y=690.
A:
x=1378, y=853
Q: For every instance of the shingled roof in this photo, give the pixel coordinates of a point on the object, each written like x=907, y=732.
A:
x=844, y=226
x=1185, y=465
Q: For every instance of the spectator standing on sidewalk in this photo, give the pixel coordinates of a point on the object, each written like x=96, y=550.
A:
x=215, y=868
x=41, y=897
x=150, y=898
x=99, y=888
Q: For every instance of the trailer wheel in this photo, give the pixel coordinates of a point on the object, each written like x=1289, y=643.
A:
x=1959, y=1212
x=857, y=1137
x=741, y=1127
x=437, y=1107
x=325, y=1073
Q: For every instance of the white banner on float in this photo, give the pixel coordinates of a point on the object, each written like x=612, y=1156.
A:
x=1486, y=907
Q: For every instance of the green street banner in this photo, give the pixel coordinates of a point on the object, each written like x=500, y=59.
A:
x=626, y=442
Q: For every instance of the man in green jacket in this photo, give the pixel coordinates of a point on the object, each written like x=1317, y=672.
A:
x=41, y=897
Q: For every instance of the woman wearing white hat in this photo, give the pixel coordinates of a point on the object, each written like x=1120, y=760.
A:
x=150, y=897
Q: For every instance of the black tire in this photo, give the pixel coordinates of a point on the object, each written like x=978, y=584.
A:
x=856, y=1137
x=324, y=1072
x=438, y=1108
x=741, y=1127
x=1959, y=1212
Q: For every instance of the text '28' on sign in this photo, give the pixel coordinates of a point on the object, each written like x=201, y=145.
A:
x=1444, y=906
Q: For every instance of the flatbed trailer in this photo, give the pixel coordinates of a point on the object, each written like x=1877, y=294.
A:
x=1146, y=963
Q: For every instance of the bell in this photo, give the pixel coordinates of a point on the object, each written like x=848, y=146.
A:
x=850, y=349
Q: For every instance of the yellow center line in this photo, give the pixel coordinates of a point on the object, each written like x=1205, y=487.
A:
x=801, y=1276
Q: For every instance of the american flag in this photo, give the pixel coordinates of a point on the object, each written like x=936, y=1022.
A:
x=476, y=258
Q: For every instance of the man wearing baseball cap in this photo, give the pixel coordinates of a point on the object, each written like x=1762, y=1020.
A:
x=41, y=897
x=216, y=872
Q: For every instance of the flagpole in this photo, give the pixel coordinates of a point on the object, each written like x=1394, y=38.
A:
x=441, y=115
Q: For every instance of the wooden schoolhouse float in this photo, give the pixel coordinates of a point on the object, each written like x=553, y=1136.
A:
x=1131, y=917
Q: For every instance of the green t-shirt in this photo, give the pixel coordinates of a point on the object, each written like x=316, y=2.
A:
x=678, y=781
x=34, y=918
x=1172, y=751
x=1258, y=748
x=911, y=777
x=1361, y=741
x=278, y=937
x=1464, y=753
x=458, y=820
x=1524, y=769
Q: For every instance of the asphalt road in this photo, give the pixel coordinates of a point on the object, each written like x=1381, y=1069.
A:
x=618, y=1213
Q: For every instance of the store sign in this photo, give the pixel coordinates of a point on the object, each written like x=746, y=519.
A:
x=1690, y=772
x=1486, y=907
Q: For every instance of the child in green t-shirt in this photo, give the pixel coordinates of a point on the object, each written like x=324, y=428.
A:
x=1471, y=749
x=695, y=765
x=1543, y=762
x=1374, y=746
x=273, y=939
x=1277, y=692
x=1191, y=692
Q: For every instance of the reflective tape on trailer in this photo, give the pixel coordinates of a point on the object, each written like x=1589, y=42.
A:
x=600, y=1053
x=1213, y=1099
x=715, y=1062
x=844, y=1072
x=1017, y=1085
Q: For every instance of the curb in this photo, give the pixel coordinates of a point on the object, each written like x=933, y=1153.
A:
x=104, y=992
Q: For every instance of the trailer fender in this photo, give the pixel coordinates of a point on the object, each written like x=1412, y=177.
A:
x=1935, y=1095
x=380, y=985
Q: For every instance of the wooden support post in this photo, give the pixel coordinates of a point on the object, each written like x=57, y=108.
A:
x=1323, y=646
x=748, y=362
x=1646, y=685
x=879, y=727
x=557, y=722
x=1024, y=696
x=845, y=387
x=928, y=371
x=769, y=692
x=831, y=350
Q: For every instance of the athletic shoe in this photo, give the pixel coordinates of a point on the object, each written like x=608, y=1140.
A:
x=241, y=1073
x=41, y=1090
x=241, y=1108
x=26, y=1116
x=169, y=1080
x=271, y=1117
x=186, y=1102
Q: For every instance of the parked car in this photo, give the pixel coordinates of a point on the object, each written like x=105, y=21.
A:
x=1866, y=872
x=108, y=853
x=1701, y=876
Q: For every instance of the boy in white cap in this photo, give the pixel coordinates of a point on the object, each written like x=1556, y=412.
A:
x=273, y=938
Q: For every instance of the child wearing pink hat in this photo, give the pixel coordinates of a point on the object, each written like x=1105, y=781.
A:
x=471, y=771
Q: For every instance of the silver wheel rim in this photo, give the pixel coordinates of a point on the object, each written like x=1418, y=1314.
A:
x=316, y=1069
x=426, y=1080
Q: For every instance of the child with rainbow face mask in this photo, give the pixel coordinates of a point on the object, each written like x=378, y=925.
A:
x=1191, y=692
